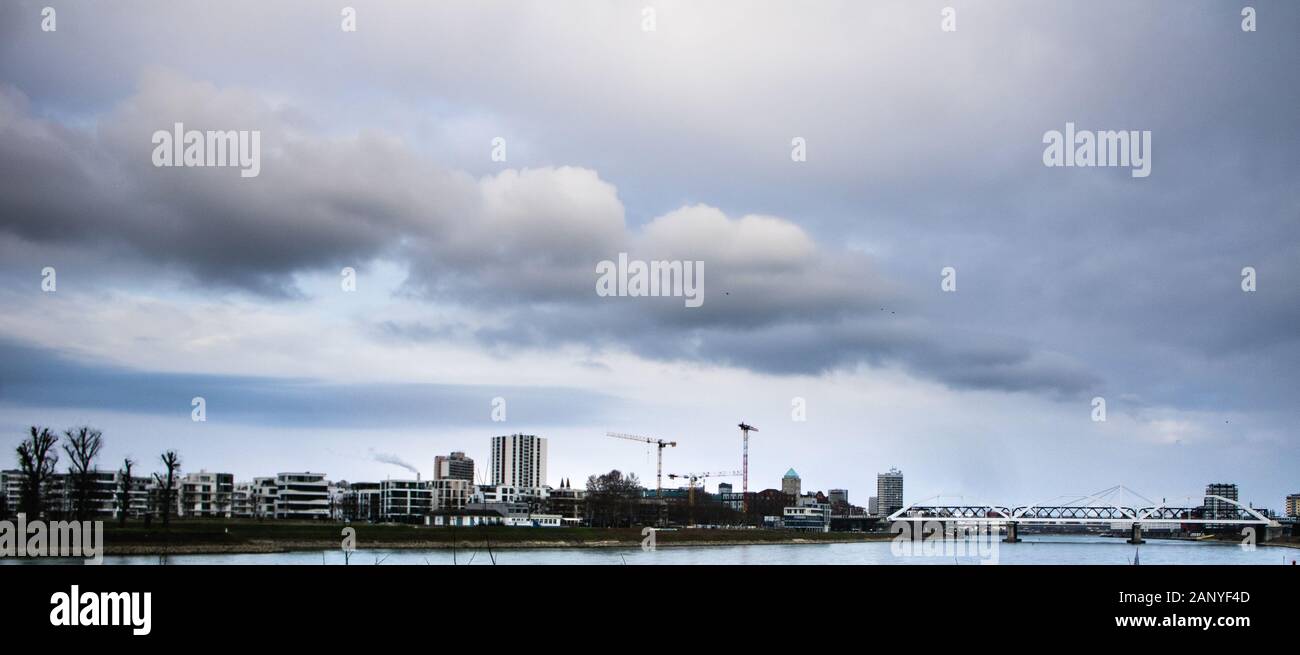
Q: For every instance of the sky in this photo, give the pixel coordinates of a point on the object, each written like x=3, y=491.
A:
x=825, y=319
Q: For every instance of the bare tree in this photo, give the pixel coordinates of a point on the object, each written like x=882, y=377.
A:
x=172, y=461
x=124, y=496
x=36, y=460
x=82, y=447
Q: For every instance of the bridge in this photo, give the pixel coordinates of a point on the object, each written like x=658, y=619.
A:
x=1101, y=508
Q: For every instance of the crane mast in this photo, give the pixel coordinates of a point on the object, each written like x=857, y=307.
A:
x=745, y=429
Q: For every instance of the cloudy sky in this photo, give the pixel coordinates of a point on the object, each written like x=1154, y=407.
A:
x=476, y=277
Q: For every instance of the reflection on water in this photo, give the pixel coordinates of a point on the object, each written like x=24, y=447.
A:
x=1038, y=549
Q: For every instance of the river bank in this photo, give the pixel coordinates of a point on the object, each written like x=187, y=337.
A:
x=231, y=537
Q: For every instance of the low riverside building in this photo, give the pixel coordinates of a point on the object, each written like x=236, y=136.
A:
x=568, y=503
x=807, y=517
x=466, y=518
x=536, y=521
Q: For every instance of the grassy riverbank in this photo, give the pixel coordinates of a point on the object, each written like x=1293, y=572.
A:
x=243, y=536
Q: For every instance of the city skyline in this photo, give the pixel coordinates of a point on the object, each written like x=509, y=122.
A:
x=825, y=320
x=889, y=483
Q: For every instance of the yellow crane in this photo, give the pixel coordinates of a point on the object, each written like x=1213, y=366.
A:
x=692, y=478
x=659, y=470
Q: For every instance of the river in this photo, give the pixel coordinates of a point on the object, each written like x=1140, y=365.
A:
x=1035, y=549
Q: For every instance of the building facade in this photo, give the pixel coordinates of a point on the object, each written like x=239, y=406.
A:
x=1219, y=509
x=451, y=494
x=205, y=494
x=889, y=492
x=519, y=460
x=1293, y=506
x=455, y=466
x=790, y=483
x=405, y=501
x=807, y=517
x=301, y=496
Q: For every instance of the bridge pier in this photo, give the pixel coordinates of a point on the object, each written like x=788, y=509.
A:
x=1135, y=534
x=1012, y=536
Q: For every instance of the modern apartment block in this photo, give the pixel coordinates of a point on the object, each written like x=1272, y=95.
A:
x=302, y=496
x=451, y=494
x=362, y=502
x=405, y=500
x=889, y=492
x=533, y=497
x=1293, y=506
x=205, y=494
x=455, y=466
x=519, y=460
x=103, y=495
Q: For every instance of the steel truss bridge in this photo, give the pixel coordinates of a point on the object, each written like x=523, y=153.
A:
x=1106, y=507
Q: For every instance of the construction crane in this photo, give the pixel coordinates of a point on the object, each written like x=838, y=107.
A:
x=745, y=429
x=659, y=470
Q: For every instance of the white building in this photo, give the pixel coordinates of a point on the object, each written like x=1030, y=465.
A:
x=533, y=497
x=810, y=517
x=405, y=500
x=519, y=460
x=889, y=491
x=450, y=494
x=302, y=496
x=205, y=494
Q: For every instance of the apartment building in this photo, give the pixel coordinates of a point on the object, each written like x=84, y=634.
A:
x=301, y=496
x=205, y=494
x=405, y=501
x=451, y=494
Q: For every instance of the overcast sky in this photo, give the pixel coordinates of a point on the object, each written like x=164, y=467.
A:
x=476, y=278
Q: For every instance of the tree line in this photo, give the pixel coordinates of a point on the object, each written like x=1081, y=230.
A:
x=38, y=461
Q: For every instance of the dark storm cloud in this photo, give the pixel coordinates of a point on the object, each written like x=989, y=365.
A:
x=28, y=374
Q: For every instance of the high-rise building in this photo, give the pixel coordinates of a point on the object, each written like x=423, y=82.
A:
x=1293, y=506
x=519, y=460
x=1218, y=509
x=453, y=467
x=790, y=483
x=838, y=497
x=889, y=491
